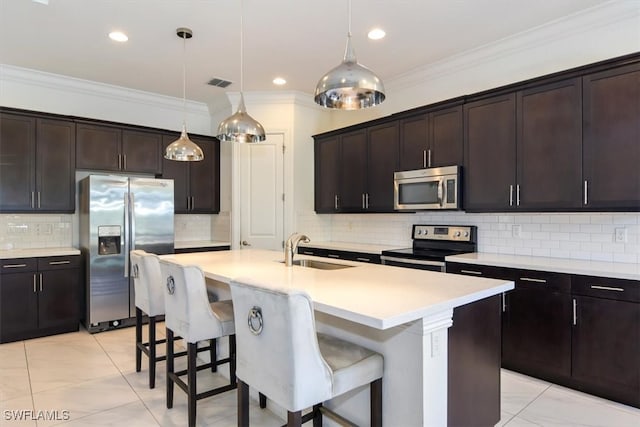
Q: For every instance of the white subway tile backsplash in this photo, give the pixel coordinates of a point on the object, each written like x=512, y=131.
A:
x=559, y=235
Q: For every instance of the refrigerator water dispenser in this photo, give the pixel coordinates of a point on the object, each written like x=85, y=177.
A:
x=109, y=240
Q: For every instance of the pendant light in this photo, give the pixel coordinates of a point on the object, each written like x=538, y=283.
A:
x=183, y=149
x=350, y=85
x=241, y=127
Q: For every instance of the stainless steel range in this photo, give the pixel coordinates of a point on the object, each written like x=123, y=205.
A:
x=431, y=244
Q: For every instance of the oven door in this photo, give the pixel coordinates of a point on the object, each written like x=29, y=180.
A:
x=417, y=264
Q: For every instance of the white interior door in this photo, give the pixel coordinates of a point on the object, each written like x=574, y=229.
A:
x=262, y=193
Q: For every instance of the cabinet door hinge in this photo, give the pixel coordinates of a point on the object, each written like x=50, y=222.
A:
x=283, y=197
x=283, y=244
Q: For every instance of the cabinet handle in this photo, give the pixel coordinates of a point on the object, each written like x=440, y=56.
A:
x=429, y=157
x=192, y=202
x=119, y=162
x=363, y=259
x=32, y=199
x=335, y=202
x=366, y=200
x=586, y=188
x=40, y=282
x=607, y=288
x=307, y=252
x=59, y=262
x=334, y=256
x=424, y=158
x=34, y=284
x=362, y=200
x=518, y=195
x=575, y=312
x=14, y=265
x=477, y=273
x=529, y=279
x=38, y=200
x=511, y=195
x=504, y=302
x=124, y=161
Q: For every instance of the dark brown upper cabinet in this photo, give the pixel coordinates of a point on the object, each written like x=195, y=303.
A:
x=524, y=149
x=432, y=139
x=490, y=153
x=611, y=120
x=37, y=158
x=549, y=147
x=111, y=148
x=327, y=174
x=354, y=170
x=196, y=185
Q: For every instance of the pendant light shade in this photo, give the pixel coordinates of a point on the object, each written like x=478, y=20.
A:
x=241, y=127
x=350, y=85
x=183, y=149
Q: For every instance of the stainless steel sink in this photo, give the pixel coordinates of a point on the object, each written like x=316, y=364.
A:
x=320, y=265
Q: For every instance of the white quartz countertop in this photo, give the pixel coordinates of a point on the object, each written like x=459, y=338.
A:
x=373, y=295
x=615, y=270
x=37, y=252
x=200, y=244
x=350, y=247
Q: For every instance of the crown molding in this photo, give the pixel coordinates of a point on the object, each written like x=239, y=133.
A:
x=26, y=76
x=275, y=98
x=607, y=14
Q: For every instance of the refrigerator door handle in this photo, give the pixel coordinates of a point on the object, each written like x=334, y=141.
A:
x=126, y=234
x=132, y=213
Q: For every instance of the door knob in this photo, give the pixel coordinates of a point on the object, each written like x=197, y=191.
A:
x=245, y=243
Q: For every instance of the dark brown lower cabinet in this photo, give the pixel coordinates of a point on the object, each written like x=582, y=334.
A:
x=606, y=338
x=582, y=332
x=39, y=297
x=536, y=325
x=474, y=364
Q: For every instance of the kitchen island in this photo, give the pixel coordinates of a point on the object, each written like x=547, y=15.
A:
x=401, y=313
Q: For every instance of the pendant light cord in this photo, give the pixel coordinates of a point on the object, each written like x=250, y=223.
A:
x=241, y=47
x=184, y=78
x=349, y=14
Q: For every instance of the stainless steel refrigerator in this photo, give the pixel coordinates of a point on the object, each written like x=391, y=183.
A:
x=119, y=214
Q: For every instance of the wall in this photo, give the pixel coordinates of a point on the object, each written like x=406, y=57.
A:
x=585, y=236
x=603, y=32
x=46, y=92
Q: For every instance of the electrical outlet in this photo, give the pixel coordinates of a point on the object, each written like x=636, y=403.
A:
x=621, y=235
x=516, y=230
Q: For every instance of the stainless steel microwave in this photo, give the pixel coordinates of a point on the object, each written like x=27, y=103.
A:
x=426, y=189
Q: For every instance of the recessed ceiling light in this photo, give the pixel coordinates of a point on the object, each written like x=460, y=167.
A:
x=279, y=81
x=377, y=34
x=118, y=36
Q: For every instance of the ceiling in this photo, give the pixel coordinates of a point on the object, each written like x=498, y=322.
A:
x=294, y=39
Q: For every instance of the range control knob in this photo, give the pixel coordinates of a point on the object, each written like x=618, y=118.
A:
x=456, y=234
x=466, y=234
x=419, y=232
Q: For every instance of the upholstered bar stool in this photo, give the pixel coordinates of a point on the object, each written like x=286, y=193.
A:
x=189, y=314
x=304, y=368
x=149, y=300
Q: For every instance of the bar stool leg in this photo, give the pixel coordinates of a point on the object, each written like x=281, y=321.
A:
x=376, y=403
x=138, y=339
x=192, y=370
x=243, y=404
x=294, y=419
x=263, y=400
x=232, y=357
x=213, y=354
x=170, y=369
x=317, y=415
x=152, y=351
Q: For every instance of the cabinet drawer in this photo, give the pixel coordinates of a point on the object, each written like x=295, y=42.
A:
x=58, y=262
x=312, y=251
x=557, y=282
x=602, y=287
x=479, y=271
x=18, y=265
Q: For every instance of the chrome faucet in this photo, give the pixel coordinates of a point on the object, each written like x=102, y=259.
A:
x=292, y=245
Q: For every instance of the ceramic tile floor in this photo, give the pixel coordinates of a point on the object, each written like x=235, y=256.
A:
x=80, y=379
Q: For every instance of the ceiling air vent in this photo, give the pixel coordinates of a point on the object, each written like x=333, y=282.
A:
x=219, y=82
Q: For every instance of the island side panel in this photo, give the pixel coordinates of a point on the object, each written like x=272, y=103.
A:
x=474, y=364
